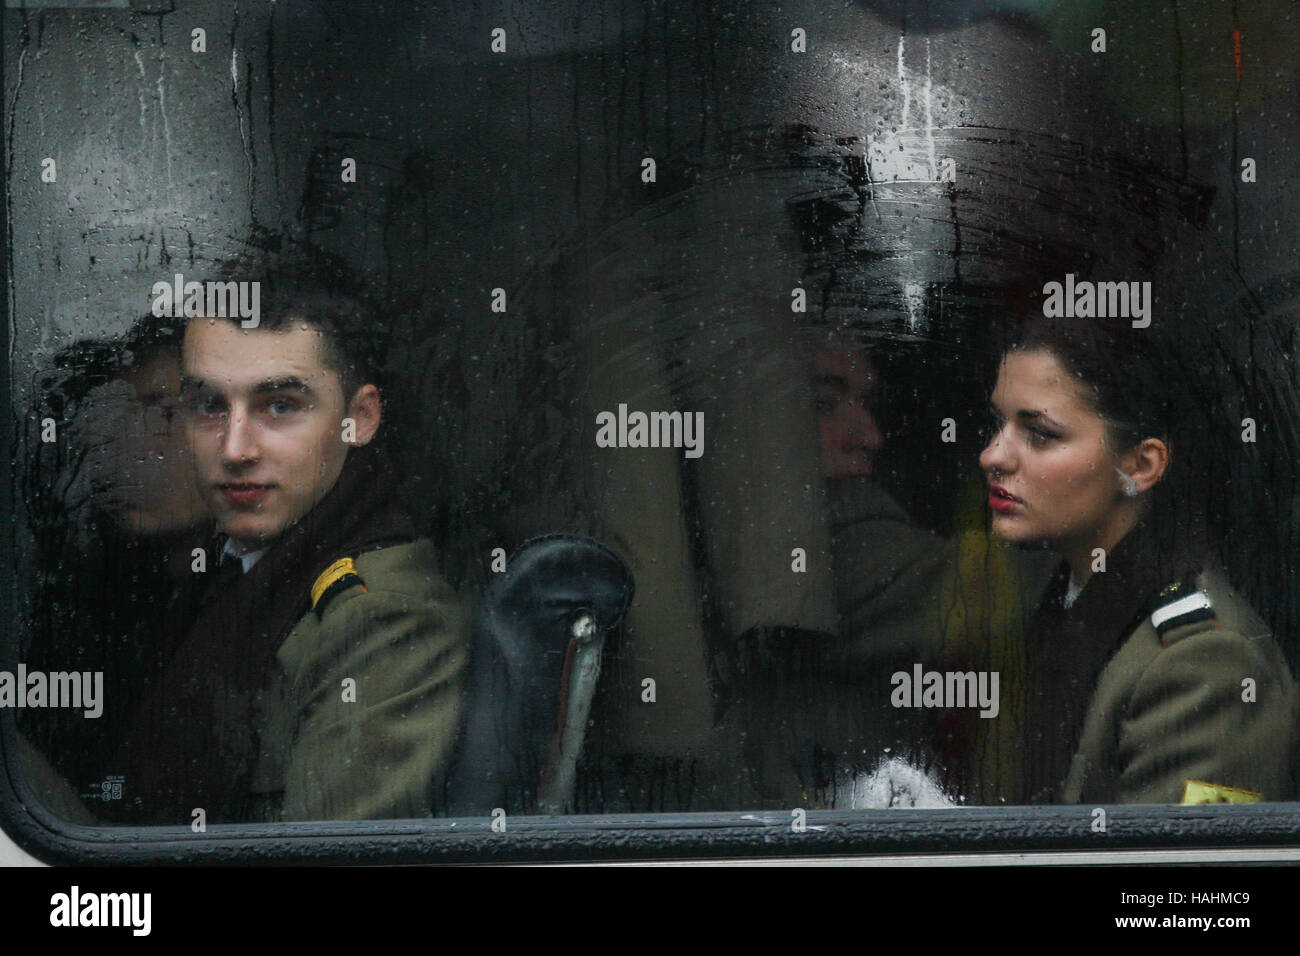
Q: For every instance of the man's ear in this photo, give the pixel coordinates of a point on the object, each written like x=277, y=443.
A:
x=1145, y=464
x=364, y=409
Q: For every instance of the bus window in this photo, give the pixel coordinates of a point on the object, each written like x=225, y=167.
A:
x=682, y=413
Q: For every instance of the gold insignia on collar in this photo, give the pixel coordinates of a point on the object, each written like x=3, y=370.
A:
x=1196, y=792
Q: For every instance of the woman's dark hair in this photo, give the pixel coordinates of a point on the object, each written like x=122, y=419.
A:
x=1119, y=370
x=1204, y=378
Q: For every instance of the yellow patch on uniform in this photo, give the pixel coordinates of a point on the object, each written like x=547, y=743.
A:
x=1197, y=792
x=331, y=576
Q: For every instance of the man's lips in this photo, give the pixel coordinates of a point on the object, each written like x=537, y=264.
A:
x=244, y=492
x=1003, y=501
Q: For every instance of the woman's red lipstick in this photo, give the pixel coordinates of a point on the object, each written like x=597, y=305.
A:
x=1001, y=500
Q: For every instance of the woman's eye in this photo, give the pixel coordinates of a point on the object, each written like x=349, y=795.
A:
x=207, y=407
x=1039, y=437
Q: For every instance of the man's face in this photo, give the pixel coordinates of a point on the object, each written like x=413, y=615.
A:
x=846, y=384
x=265, y=424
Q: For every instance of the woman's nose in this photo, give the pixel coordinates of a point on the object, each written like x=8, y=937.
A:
x=995, y=456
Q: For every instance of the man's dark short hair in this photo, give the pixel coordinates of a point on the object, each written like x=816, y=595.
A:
x=303, y=284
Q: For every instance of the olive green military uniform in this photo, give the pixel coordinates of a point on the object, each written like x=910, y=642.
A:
x=322, y=682
x=377, y=747
x=1209, y=701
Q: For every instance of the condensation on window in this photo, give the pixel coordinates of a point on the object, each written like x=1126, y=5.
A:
x=511, y=408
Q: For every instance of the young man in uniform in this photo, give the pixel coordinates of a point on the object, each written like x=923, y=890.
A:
x=322, y=676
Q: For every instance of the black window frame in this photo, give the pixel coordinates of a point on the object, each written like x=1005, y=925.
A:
x=610, y=838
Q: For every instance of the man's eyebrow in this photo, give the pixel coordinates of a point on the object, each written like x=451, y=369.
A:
x=290, y=384
x=190, y=383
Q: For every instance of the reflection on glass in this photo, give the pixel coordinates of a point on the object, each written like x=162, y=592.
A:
x=606, y=433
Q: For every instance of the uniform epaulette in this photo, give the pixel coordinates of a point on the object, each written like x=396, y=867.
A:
x=1178, y=604
x=339, y=576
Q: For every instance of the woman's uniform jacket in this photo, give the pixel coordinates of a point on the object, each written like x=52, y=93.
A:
x=1146, y=692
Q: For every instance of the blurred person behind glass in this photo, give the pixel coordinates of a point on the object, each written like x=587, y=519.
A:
x=819, y=717
x=847, y=386
x=116, y=514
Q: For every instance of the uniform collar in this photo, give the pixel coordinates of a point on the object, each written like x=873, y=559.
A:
x=246, y=558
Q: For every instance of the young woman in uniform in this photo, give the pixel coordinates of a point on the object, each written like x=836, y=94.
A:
x=1149, y=680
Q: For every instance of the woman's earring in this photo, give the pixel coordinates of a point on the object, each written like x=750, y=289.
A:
x=1129, y=485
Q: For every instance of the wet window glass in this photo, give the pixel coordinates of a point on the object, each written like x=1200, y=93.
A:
x=474, y=411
